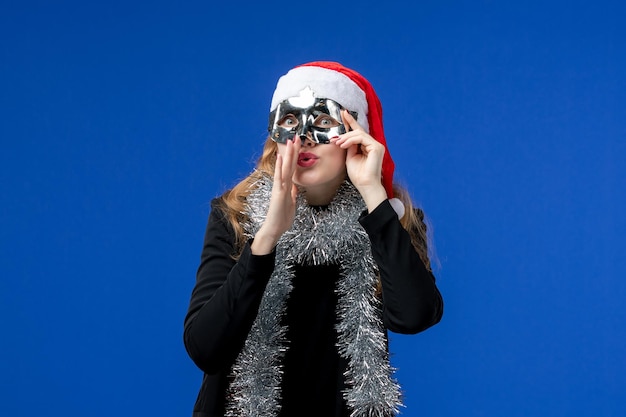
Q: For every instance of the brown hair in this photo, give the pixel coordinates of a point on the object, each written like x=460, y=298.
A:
x=233, y=204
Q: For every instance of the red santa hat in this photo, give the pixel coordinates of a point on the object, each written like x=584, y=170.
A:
x=348, y=88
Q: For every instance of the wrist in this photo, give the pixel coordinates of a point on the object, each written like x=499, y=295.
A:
x=263, y=243
x=373, y=196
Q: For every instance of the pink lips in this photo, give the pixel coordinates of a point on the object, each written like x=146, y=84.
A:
x=307, y=159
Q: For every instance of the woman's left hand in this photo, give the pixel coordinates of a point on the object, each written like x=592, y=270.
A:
x=364, y=161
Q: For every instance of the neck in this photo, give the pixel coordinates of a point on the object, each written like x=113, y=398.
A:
x=322, y=195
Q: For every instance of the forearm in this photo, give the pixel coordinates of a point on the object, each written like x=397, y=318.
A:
x=225, y=299
x=411, y=300
x=215, y=333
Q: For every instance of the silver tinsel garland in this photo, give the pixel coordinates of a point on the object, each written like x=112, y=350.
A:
x=317, y=237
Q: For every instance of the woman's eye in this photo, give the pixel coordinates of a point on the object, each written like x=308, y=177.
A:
x=288, y=121
x=326, y=122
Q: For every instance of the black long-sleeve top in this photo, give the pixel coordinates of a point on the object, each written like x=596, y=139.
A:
x=227, y=294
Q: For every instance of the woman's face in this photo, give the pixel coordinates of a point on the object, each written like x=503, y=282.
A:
x=321, y=164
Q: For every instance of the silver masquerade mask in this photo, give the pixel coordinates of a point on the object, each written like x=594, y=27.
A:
x=307, y=114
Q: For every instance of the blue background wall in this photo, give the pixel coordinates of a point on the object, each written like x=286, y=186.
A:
x=120, y=121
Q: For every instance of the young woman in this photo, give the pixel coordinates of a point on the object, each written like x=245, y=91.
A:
x=309, y=261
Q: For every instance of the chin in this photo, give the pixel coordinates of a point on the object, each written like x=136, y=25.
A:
x=308, y=178
x=316, y=179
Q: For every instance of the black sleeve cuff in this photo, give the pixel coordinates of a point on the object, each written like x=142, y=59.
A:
x=378, y=219
x=257, y=265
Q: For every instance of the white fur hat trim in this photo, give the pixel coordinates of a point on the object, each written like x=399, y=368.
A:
x=325, y=83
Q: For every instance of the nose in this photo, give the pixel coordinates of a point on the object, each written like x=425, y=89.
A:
x=306, y=140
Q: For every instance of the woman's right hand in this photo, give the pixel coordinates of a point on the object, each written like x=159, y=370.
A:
x=282, y=209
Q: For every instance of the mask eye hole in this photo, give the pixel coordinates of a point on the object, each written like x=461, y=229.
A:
x=288, y=122
x=325, y=121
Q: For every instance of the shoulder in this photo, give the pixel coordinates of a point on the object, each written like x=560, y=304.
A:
x=218, y=207
x=218, y=222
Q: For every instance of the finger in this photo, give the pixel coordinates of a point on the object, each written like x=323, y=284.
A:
x=278, y=169
x=358, y=133
x=350, y=121
x=287, y=166
x=352, y=152
x=297, y=147
x=352, y=136
x=344, y=120
x=296, y=154
x=356, y=137
x=358, y=140
x=291, y=159
x=294, y=192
